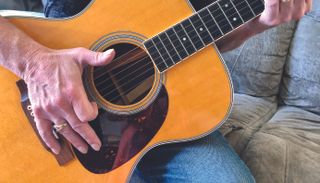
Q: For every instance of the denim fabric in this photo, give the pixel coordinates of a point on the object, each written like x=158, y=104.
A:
x=63, y=8
x=208, y=160
x=23, y=5
x=301, y=81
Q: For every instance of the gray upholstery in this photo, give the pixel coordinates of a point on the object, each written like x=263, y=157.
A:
x=275, y=122
x=256, y=67
x=24, y=5
x=301, y=83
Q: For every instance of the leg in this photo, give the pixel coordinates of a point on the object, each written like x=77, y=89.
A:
x=209, y=159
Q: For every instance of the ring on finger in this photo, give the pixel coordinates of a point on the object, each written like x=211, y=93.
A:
x=57, y=128
x=285, y=1
x=60, y=127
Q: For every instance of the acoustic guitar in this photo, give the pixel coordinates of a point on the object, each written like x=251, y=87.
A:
x=167, y=84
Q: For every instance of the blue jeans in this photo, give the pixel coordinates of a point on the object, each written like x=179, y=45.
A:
x=210, y=159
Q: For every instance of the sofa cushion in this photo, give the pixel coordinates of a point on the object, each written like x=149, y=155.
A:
x=247, y=116
x=256, y=67
x=301, y=82
x=24, y=5
x=287, y=148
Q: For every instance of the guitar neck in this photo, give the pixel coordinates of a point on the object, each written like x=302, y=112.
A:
x=203, y=28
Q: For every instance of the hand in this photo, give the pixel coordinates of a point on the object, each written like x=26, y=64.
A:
x=281, y=11
x=57, y=95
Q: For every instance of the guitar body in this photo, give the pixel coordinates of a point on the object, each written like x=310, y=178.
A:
x=197, y=93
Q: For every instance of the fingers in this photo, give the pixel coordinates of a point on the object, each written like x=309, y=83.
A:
x=73, y=137
x=84, y=130
x=87, y=57
x=45, y=130
x=281, y=11
x=85, y=110
x=286, y=8
x=308, y=5
x=299, y=9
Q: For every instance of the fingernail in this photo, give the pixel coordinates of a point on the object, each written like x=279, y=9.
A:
x=109, y=52
x=55, y=151
x=83, y=150
x=96, y=147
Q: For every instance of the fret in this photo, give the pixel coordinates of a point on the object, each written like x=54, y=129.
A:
x=211, y=24
x=170, y=48
x=163, y=52
x=257, y=6
x=202, y=30
x=185, y=40
x=220, y=18
x=155, y=55
x=192, y=33
x=244, y=9
x=231, y=13
x=199, y=30
x=177, y=43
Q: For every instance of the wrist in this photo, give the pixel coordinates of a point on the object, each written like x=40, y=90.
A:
x=31, y=61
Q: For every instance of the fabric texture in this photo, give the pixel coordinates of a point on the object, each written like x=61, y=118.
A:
x=23, y=5
x=64, y=8
x=301, y=81
x=209, y=159
x=280, y=66
x=256, y=67
x=248, y=115
x=287, y=148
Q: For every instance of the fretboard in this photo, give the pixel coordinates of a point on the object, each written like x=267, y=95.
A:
x=200, y=30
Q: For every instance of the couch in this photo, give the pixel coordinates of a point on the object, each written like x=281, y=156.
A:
x=275, y=122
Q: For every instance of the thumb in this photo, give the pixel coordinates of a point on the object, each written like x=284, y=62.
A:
x=97, y=58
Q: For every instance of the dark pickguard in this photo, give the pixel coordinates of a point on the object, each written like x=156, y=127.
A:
x=123, y=136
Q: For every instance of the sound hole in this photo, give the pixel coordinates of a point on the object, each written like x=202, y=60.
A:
x=128, y=78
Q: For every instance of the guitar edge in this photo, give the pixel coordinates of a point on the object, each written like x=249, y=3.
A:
x=199, y=89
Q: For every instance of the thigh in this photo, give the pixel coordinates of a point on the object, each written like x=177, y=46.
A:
x=209, y=159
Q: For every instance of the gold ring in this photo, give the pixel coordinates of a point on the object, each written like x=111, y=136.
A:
x=58, y=128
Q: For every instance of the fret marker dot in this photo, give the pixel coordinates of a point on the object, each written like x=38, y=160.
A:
x=234, y=19
x=184, y=39
x=201, y=29
x=226, y=5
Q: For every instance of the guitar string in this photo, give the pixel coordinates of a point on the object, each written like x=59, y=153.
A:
x=188, y=26
x=144, y=58
x=123, y=84
x=99, y=69
x=132, y=79
x=138, y=54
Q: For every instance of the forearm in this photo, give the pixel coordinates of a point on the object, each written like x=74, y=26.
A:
x=238, y=37
x=16, y=48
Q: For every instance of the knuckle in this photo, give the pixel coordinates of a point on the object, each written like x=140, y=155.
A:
x=66, y=132
x=58, y=101
x=79, y=50
x=272, y=4
x=79, y=128
x=48, y=107
x=71, y=91
x=37, y=110
x=89, y=117
x=287, y=18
